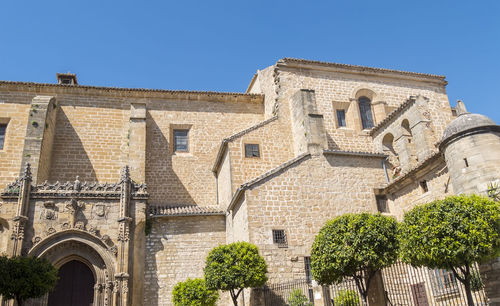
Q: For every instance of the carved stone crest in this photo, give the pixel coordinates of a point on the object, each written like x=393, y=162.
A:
x=100, y=211
x=50, y=211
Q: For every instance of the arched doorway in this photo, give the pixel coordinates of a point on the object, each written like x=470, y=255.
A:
x=75, y=285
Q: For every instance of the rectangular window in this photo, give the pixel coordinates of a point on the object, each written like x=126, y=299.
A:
x=340, y=117
x=181, y=141
x=307, y=268
x=423, y=185
x=252, y=150
x=382, y=203
x=3, y=129
x=279, y=238
x=443, y=282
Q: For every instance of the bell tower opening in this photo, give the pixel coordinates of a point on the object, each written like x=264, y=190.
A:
x=75, y=286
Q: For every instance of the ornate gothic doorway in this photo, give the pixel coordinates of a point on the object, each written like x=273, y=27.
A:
x=75, y=286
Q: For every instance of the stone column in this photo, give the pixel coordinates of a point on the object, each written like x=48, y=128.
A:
x=137, y=142
x=307, y=124
x=379, y=111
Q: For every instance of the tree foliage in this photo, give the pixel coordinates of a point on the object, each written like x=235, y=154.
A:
x=452, y=234
x=194, y=292
x=22, y=278
x=356, y=245
x=233, y=267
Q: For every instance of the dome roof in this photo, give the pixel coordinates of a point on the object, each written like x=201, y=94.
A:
x=465, y=122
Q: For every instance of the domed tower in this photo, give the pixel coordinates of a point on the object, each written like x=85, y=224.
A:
x=471, y=147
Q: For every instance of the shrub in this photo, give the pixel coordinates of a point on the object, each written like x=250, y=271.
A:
x=346, y=298
x=297, y=298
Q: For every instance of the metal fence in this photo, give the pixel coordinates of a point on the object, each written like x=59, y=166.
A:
x=294, y=293
x=407, y=285
x=403, y=285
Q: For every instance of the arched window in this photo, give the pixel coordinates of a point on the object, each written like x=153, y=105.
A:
x=388, y=143
x=365, y=111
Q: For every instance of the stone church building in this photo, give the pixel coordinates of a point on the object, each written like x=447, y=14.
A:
x=126, y=190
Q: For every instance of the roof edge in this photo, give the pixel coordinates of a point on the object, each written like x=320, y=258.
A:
x=301, y=63
x=144, y=91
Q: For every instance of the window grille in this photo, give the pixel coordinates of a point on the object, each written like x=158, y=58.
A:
x=365, y=109
x=181, y=141
x=382, y=203
x=279, y=238
x=307, y=268
x=341, y=117
x=423, y=185
x=252, y=150
x=3, y=129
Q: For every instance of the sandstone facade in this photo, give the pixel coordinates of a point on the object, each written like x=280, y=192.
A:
x=92, y=151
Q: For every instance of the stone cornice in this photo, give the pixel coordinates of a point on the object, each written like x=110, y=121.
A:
x=52, y=89
x=354, y=69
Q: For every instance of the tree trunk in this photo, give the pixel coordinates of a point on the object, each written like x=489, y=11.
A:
x=19, y=301
x=234, y=297
x=468, y=292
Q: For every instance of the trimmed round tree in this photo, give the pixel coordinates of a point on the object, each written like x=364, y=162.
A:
x=233, y=267
x=194, y=292
x=452, y=234
x=23, y=278
x=354, y=245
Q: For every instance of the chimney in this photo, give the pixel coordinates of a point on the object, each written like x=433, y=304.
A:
x=67, y=79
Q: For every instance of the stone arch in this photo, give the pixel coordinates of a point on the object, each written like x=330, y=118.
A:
x=361, y=91
x=72, y=244
x=388, y=143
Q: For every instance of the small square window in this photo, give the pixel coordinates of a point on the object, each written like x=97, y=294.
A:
x=252, y=150
x=181, y=141
x=423, y=185
x=279, y=238
x=340, y=118
x=382, y=203
x=3, y=129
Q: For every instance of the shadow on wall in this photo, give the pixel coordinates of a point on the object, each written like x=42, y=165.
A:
x=164, y=185
x=154, y=245
x=69, y=157
x=332, y=145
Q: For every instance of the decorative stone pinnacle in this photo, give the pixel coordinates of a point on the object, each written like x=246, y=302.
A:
x=27, y=172
x=77, y=183
x=460, y=108
x=125, y=174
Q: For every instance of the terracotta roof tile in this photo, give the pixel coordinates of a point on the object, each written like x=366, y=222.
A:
x=184, y=211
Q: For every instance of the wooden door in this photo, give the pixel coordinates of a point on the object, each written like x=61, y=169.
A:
x=75, y=286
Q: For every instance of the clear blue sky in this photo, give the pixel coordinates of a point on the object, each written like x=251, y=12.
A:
x=218, y=45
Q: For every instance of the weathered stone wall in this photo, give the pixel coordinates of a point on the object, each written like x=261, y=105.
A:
x=300, y=200
x=483, y=162
x=186, y=178
x=334, y=89
x=14, y=111
x=176, y=250
x=275, y=149
x=409, y=193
